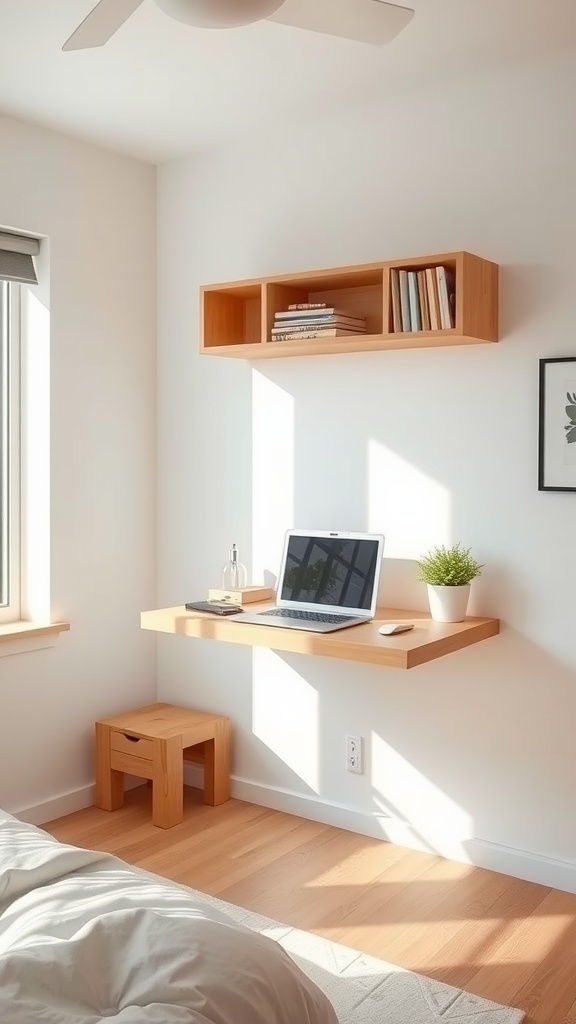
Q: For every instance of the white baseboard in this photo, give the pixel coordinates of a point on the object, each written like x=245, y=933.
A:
x=506, y=860
x=38, y=814
x=77, y=800
x=532, y=867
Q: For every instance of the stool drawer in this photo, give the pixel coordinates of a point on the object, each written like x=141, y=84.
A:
x=135, y=746
x=138, y=766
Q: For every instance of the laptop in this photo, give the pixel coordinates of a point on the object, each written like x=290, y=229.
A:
x=327, y=581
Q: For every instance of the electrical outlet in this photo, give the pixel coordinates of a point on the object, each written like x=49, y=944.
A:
x=354, y=754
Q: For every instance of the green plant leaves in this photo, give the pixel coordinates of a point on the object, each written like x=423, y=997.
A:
x=449, y=567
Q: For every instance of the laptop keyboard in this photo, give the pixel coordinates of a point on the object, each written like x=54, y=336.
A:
x=296, y=613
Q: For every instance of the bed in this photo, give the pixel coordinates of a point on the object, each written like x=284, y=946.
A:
x=86, y=938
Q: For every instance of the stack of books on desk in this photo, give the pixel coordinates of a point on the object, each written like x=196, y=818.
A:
x=315, y=320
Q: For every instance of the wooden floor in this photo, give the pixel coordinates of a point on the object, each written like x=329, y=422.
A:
x=507, y=940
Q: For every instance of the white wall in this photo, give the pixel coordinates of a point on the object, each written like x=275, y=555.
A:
x=471, y=755
x=98, y=211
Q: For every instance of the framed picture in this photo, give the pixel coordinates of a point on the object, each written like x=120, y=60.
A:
x=557, y=425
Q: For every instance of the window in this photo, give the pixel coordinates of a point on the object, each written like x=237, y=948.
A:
x=9, y=451
x=24, y=444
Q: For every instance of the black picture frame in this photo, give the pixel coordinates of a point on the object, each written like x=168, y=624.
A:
x=557, y=424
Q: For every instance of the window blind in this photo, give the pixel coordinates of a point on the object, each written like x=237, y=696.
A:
x=16, y=257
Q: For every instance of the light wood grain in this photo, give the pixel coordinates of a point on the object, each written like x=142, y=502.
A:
x=109, y=781
x=131, y=764
x=164, y=721
x=427, y=641
x=500, y=937
x=217, y=764
x=152, y=743
x=167, y=783
x=237, y=317
x=231, y=316
x=477, y=308
x=24, y=630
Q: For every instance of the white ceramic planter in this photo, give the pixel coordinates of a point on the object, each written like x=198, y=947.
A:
x=448, y=604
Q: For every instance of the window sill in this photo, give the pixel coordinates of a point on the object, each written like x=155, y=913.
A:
x=19, y=637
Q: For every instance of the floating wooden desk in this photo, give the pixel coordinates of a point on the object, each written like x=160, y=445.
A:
x=427, y=641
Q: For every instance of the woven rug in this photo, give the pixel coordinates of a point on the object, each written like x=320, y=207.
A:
x=364, y=990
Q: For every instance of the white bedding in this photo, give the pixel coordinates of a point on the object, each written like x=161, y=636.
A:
x=85, y=938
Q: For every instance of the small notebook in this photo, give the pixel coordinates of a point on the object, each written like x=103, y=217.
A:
x=216, y=607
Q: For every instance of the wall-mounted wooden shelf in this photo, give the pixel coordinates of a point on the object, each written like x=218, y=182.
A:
x=237, y=318
x=427, y=641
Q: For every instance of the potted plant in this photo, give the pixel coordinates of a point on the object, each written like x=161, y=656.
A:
x=448, y=572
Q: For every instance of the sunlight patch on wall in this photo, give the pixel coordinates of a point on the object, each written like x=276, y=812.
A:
x=272, y=475
x=411, y=509
x=285, y=715
x=414, y=807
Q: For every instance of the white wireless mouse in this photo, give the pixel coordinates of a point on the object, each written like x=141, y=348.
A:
x=389, y=628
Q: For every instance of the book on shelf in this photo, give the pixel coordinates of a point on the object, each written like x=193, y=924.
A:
x=414, y=301
x=352, y=329
x=306, y=330
x=328, y=318
x=320, y=332
x=307, y=305
x=433, y=299
x=313, y=314
x=396, y=303
x=423, y=296
x=404, y=299
x=329, y=321
x=446, y=295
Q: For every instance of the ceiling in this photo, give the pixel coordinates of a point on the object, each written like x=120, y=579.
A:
x=160, y=89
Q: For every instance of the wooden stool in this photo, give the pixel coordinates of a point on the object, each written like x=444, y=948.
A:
x=152, y=743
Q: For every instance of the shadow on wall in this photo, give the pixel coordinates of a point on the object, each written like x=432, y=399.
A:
x=446, y=764
x=460, y=749
x=528, y=293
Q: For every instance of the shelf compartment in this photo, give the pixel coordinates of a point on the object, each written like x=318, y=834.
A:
x=361, y=299
x=449, y=262
x=231, y=315
x=476, y=295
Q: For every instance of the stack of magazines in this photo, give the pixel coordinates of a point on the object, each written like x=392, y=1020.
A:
x=315, y=320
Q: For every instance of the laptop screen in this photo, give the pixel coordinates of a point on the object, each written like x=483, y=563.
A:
x=335, y=570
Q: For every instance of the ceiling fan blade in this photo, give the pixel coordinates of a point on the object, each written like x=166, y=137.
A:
x=366, y=21
x=102, y=22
